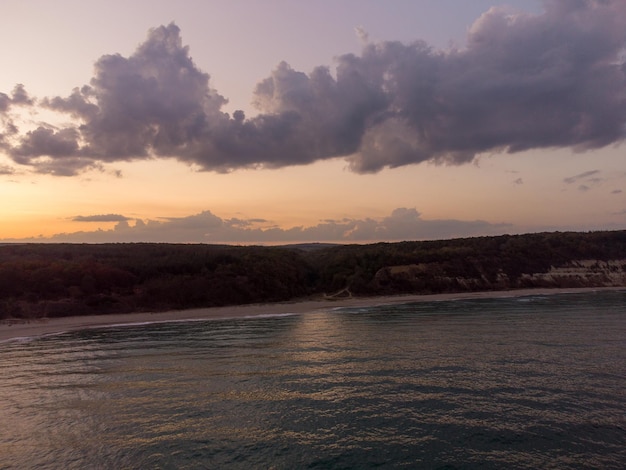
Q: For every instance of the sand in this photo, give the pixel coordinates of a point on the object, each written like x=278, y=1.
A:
x=21, y=329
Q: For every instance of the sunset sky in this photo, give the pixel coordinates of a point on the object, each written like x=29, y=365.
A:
x=329, y=121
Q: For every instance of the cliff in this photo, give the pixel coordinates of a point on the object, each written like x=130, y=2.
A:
x=433, y=277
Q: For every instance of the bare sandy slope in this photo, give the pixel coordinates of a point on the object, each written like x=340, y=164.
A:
x=18, y=329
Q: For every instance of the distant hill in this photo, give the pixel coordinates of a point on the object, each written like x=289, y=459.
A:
x=309, y=246
x=48, y=280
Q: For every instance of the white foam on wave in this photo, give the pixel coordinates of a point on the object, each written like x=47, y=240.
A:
x=262, y=315
x=25, y=339
x=19, y=339
x=194, y=320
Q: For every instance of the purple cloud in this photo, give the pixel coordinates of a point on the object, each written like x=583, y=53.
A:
x=206, y=227
x=18, y=97
x=557, y=79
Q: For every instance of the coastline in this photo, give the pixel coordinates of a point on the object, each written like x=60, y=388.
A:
x=13, y=330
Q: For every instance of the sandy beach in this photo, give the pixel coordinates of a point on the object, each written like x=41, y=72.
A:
x=19, y=329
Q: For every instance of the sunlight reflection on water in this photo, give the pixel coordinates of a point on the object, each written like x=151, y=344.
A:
x=516, y=383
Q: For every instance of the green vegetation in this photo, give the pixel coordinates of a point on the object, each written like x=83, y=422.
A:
x=47, y=280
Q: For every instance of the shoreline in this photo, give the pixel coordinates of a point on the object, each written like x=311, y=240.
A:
x=18, y=329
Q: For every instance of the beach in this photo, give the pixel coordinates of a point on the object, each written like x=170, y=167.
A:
x=16, y=329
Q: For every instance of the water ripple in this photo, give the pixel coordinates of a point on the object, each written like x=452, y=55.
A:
x=536, y=382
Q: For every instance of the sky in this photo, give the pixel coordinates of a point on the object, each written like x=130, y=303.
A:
x=271, y=122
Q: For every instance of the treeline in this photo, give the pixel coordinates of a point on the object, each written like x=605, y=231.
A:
x=47, y=280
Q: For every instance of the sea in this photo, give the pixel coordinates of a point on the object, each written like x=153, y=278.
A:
x=528, y=382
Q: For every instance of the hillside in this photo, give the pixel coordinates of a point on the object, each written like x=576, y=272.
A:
x=48, y=280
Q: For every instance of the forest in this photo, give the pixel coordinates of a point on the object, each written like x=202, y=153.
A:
x=51, y=280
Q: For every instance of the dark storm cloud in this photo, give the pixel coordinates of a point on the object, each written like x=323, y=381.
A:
x=522, y=82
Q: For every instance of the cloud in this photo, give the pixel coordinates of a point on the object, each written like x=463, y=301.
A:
x=206, y=227
x=581, y=176
x=19, y=97
x=100, y=218
x=6, y=170
x=362, y=34
x=556, y=79
x=585, y=180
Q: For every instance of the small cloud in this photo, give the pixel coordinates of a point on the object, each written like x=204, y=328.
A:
x=616, y=191
x=519, y=181
x=362, y=34
x=246, y=223
x=582, y=176
x=6, y=170
x=235, y=222
x=101, y=218
x=586, y=180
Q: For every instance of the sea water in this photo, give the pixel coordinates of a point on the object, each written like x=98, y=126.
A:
x=521, y=382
